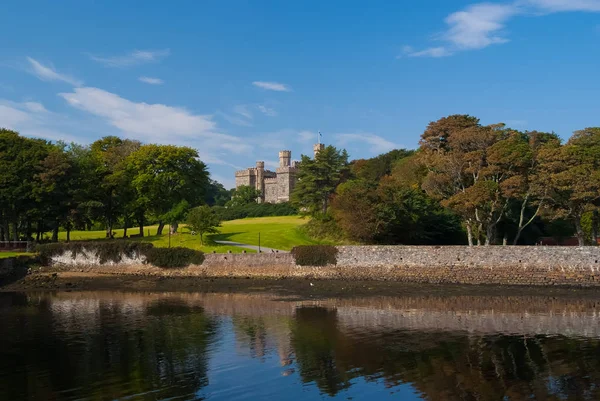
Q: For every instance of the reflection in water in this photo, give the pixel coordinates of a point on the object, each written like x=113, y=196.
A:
x=106, y=346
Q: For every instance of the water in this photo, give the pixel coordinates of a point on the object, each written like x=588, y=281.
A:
x=131, y=346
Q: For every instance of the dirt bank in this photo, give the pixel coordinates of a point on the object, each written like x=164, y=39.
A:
x=290, y=287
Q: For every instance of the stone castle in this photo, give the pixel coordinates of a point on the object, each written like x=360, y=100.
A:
x=274, y=186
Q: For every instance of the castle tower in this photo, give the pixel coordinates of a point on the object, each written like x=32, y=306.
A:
x=285, y=158
x=260, y=180
x=318, y=147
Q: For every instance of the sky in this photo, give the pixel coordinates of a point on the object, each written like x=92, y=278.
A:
x=241, y=80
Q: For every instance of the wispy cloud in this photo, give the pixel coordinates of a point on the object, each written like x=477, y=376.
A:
x=243, y=111
x=151, y=81
x=484, y=24
x=375, y=143
x=155, y=122
x=34, y=120
x=136, y=57
x=267, y=111
x=272, y=86
x=48, y=73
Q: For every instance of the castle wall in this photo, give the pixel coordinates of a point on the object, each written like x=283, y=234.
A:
x=271, y=190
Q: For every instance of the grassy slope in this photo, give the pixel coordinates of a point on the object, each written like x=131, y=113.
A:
x=276, y=232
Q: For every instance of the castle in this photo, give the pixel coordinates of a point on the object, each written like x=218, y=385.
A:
x=277, y=186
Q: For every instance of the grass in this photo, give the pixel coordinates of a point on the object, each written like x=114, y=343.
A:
x=275, y=232
x=4, y=255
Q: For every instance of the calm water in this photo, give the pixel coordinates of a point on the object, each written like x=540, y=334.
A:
x=109, y=346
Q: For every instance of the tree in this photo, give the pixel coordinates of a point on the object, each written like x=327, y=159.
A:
x=164, y=176
x=202, y=220
x=243, y=195
x=216, y=194
x=318, y=178
x=456, y=151
x=572, y=175
x=113, y=189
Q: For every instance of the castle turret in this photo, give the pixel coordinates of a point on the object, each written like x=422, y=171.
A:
x=285, y=158
x=260, y=180
x=318, y=147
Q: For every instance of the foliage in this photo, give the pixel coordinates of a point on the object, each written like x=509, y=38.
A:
x=174, y=257
x=242, y=196
x=315, y=255
x=166, y=175
x=203, y=220
x=318, y=178
x=216, y=194
x=106, y=251
x=255, y=210
x=325, y=229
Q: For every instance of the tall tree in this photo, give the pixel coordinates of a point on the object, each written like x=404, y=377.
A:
x=244, y=195
x=455, y=149
x=572, y=174
x=318, y=178
x=164, y=176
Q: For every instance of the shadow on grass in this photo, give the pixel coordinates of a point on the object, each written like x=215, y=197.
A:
x=221, y=237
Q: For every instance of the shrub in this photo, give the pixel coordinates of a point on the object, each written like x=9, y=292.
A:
x=315, y=255
x=174, y=257
x=255, y=210
x=106, y=251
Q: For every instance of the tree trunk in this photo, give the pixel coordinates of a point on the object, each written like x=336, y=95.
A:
x=55, y=232
x=202, y=238
x=125, y=227
x=68, y=233
x=16, y=230
x=174, y=228
x=141, y=224
x=579, y=229
x=161, y=225
x=38, y=235
x=28, y=230
x=470, y=234
x=6, y=229
x=505, y=240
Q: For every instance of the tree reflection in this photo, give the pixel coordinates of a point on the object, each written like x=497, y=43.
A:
x=446, y=366
x=153, y=352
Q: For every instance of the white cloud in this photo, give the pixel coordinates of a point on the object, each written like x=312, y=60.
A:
x=151, y=81
x=376, y=143
x=136, y=57
x=434, y=52
x=46, y=73
x=483, y=24
x=155, y=122
x=272, y=86
x=34, y=120
x=267, y=111
x=243, y=110
x=565, y=5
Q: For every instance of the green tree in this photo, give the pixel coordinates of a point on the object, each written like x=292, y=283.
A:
x=164, y=176
x=216, y=194
x=243, y=195
x=572, y=174
x=318, y=178
x=202, y=220
x=20, y=161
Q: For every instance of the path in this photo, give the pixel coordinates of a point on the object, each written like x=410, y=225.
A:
x=253, y=247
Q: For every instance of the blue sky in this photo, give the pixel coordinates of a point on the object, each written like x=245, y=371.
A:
x=240, y=80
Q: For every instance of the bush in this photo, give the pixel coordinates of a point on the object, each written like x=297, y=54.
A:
x=255, y=210
x=315, y=255
x=174, y=257
x=106, y=251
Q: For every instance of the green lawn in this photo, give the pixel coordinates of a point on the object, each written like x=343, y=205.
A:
x=276, y=232
x=12, y=254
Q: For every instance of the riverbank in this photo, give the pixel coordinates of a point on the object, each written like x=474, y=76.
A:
x=284, y=287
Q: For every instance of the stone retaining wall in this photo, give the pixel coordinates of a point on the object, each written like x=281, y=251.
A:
x=536, y=265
